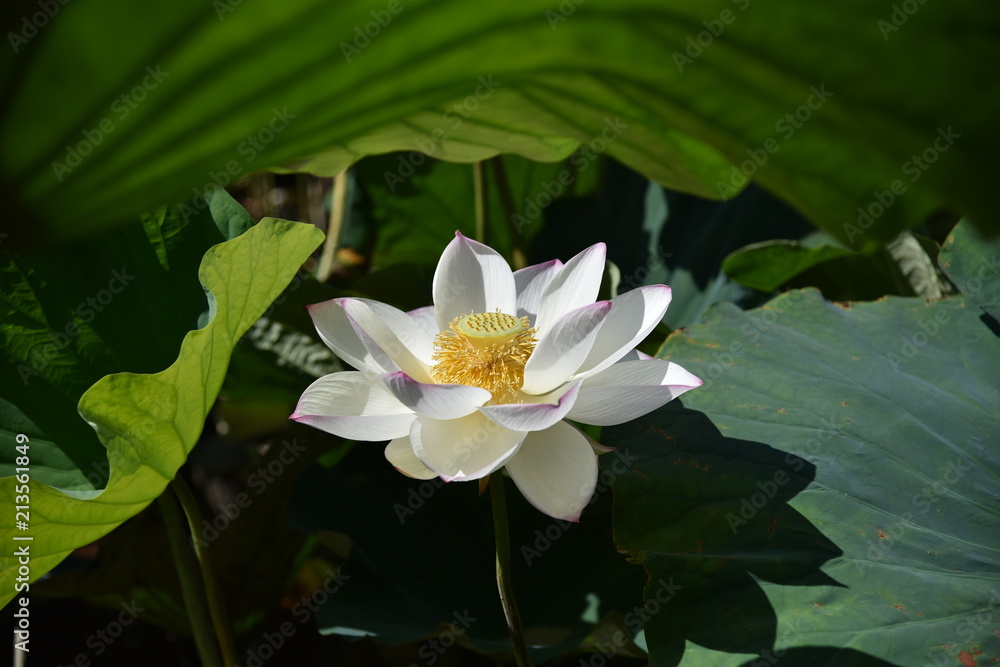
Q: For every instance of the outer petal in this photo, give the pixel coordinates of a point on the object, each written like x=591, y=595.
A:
x=576, y=285
x=400, y=454
x=336, y=330
x=534, y=416
x=353, y=405
x=426, y=319
x=463, y=449
x=394, y=340
x=630, y=389
x=556, y=470
x=633, y=315
x=437, y=401
x=471, y=278
x=530, y=282
x=563, y=347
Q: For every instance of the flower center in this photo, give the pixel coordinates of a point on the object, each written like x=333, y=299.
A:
x=487, y=350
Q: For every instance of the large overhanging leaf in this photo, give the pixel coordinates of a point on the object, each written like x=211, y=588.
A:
x=830, y=495
x=695, y=95
x=149, y=423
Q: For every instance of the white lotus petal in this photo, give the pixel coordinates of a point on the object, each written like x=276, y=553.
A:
x=353, y=405
x=633, y=315
x=463, y=449
x=437, y=401
x=628, y=390
x=562, y=347
x=399, y=453
x=575, y=285
x=633, y=355
x=393, y=338
x=471, y=278
x=530, y=282
x=538, y=415
x=556, y=470
x=336, y=330
x=426, y=319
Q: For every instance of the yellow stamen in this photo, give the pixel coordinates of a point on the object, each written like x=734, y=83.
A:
x=487, y=350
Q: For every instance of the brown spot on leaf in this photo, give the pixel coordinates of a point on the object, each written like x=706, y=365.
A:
x=882, y=535
x=967, y=659
x=844, y=403
x=898, y=606
x=782, y=411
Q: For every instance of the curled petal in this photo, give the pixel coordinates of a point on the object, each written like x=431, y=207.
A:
x=563, y=347
x=463, y=449
x=393, y=338
x=536, y=416
x=556, y=470
x=353, y=405
x=633, y=315
x=399, y=453
x=437, y=401
x=628, y=390
x=335, y=328
x=426, y=319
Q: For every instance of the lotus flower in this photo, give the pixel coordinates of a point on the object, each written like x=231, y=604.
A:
x=487, y=376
